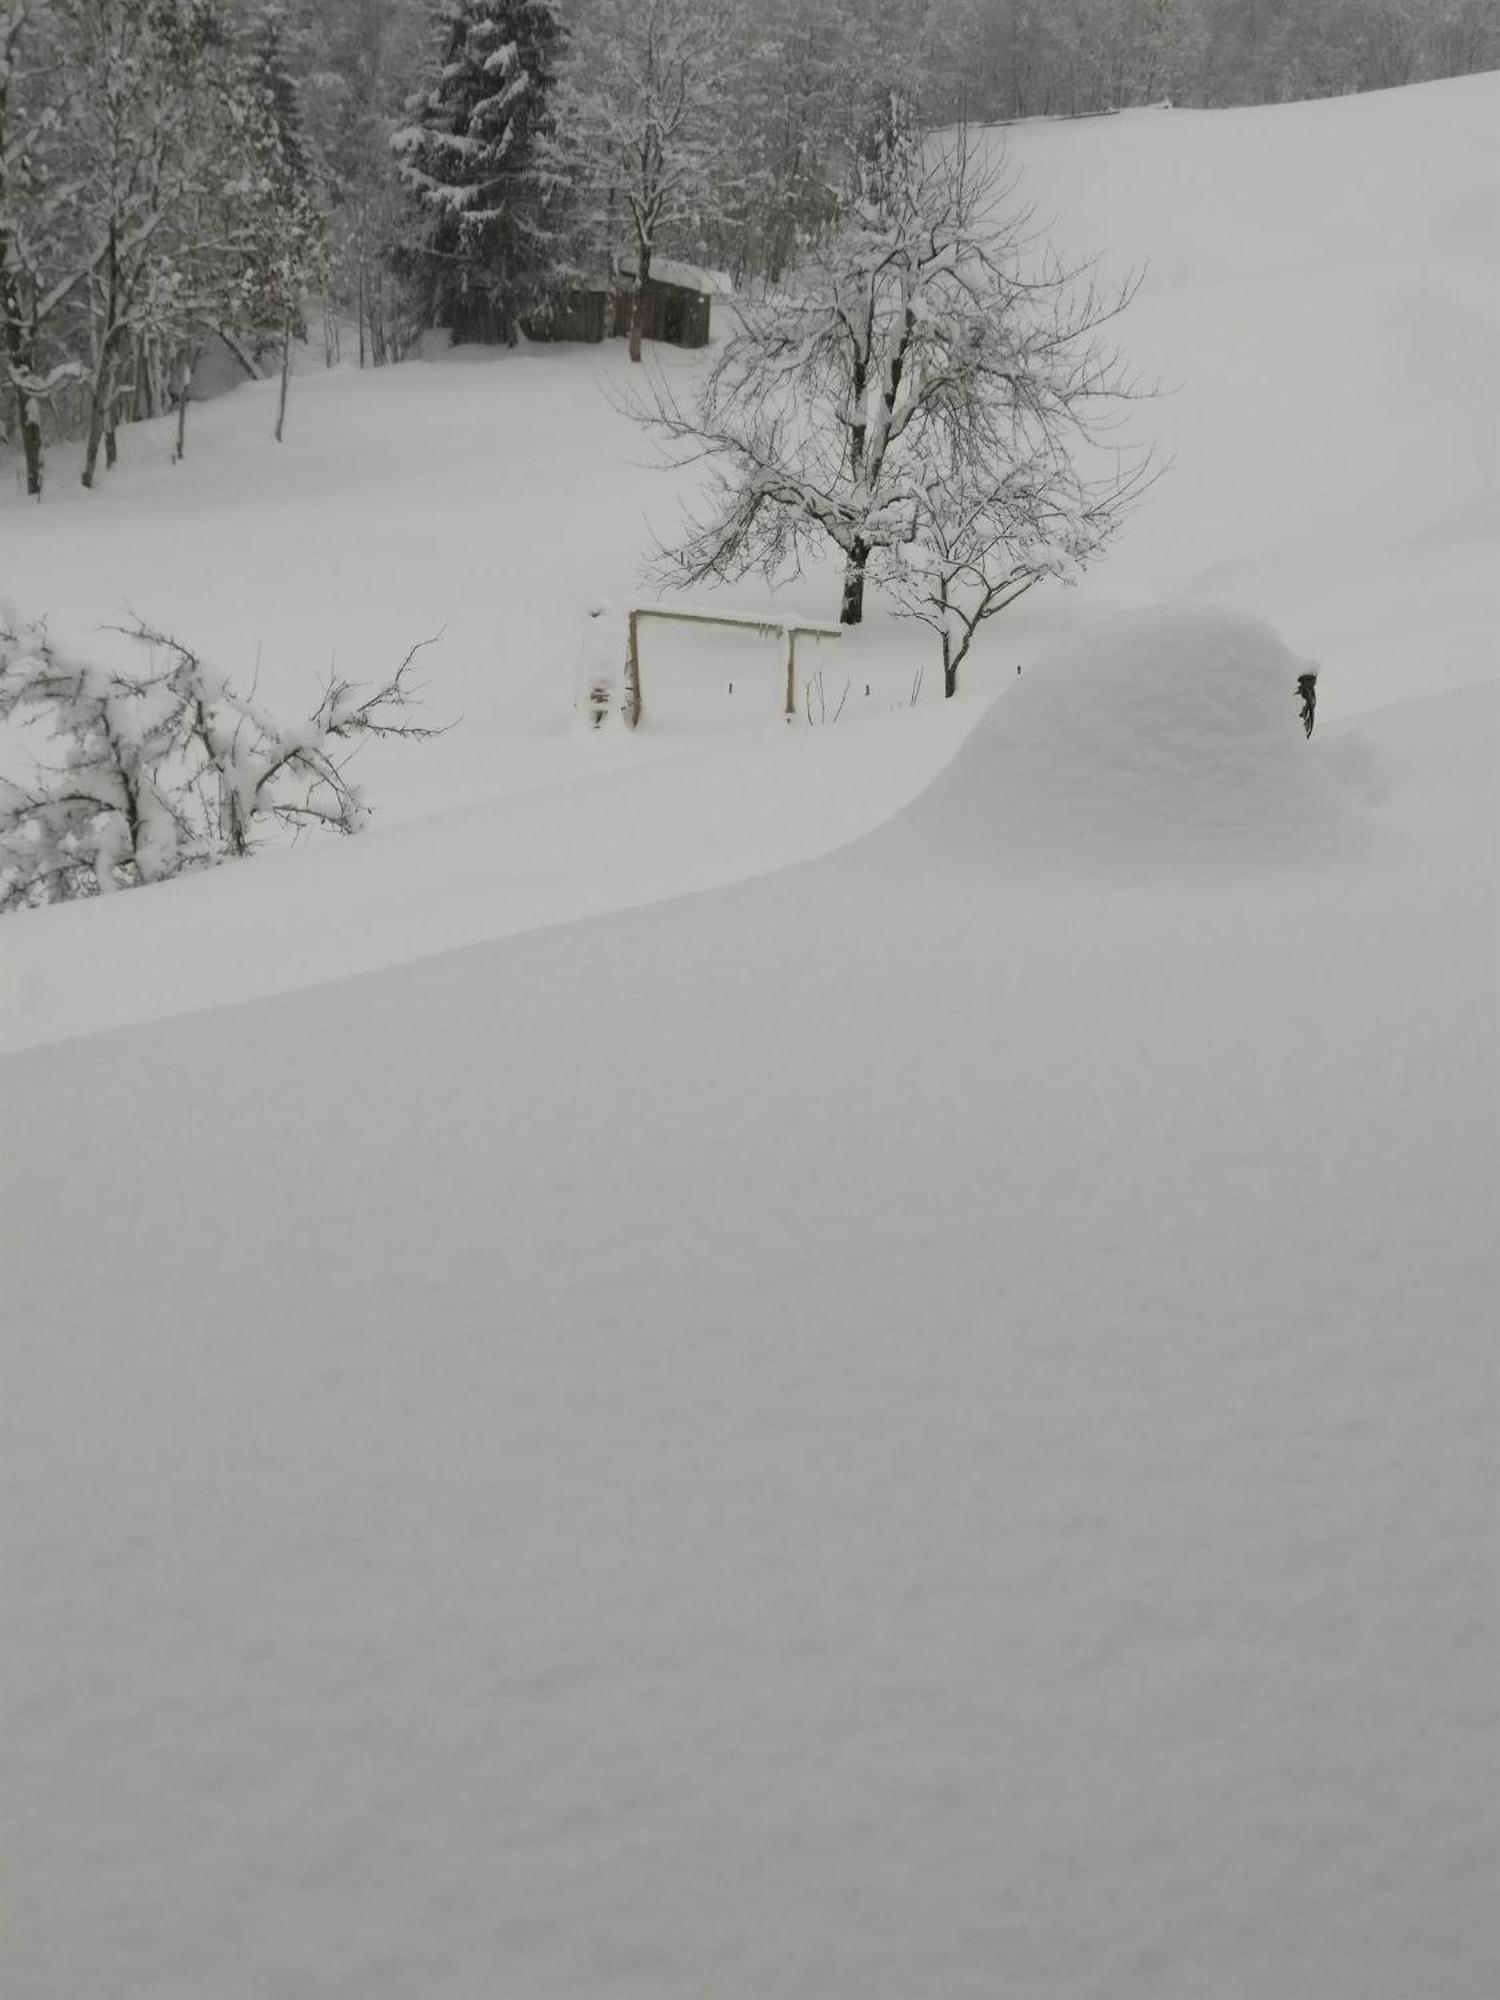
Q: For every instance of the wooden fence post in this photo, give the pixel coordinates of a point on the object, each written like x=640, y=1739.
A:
x=632, y=704
x=766, y=627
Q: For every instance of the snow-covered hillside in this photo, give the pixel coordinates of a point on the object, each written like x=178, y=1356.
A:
x=919, y=1424
x=1322, y=312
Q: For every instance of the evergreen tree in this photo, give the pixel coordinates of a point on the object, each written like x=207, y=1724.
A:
x=470, y=160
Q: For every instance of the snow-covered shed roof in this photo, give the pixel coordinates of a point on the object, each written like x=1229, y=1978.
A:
x=691, y=277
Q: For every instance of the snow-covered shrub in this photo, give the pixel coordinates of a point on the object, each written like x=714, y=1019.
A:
x=170, y=770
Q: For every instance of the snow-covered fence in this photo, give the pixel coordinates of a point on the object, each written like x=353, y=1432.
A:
x=789, y=630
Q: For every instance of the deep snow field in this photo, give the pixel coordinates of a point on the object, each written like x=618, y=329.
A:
x=885, y=1386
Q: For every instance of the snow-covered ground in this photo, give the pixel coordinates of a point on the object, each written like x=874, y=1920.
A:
x=919, y=1424
x=1320, y=310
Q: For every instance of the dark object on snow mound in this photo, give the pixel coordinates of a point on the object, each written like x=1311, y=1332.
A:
x=1307, y=687
x=1145, y=744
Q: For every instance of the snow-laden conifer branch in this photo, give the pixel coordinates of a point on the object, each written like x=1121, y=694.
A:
x=470, y=160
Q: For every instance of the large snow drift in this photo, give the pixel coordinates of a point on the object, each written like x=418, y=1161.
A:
x=896, y=1428
x=1159, y=740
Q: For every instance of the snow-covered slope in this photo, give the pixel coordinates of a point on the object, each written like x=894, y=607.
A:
x=1321, y=304
x=919, y=1424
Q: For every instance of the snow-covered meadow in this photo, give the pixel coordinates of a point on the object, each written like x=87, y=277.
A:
x=923, y=1423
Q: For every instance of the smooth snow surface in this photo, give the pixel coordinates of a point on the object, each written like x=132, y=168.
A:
x=921, y=1424
x=883, y=1430
x=585, y=830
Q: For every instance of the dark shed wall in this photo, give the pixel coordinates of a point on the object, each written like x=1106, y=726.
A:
x=674, y=314
x=575, y=316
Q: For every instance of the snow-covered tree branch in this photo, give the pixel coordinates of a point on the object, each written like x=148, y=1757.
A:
x=932, y=394
x=640, y=132
x=469, y=160
x=987, y=534
x=173, y=769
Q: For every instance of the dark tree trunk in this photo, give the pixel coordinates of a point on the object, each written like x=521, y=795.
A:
x=638, y=299
x=21, y=352
x=637, y=320
x=286, y=370
x=101, y=429
x=102, y=399
x=852, y=610
x=95, y=439
x=31, y=446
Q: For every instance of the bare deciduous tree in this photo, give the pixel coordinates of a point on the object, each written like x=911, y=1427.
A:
x=37, y=274
x=986, y=535
x=640, y=130
x=930, y=396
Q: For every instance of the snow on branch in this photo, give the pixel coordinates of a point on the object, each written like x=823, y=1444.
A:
x=173, y=769
x=933, y=392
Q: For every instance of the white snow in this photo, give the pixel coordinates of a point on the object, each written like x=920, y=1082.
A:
x=918, y=1424
x=692, y=277
x=1160, y=741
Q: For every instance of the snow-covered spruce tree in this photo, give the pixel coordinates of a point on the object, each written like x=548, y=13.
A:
x=642, y=136
x=171, y=770
x=933, y=361
x=469, y=160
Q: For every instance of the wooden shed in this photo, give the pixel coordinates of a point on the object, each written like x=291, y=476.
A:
x=679, y=305
x=575, y=315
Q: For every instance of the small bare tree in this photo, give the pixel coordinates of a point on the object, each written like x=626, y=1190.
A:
x=927, y=383
x=987, y=535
